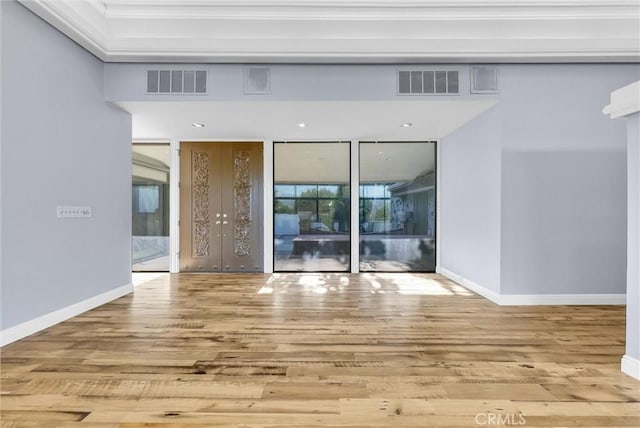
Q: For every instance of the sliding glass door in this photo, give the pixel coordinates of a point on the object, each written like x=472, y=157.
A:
x=397, y=206
x=312, y=207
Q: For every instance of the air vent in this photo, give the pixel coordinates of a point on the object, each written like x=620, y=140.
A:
x=257, y=80
x=428, y=82
x=176, y=81
x=484, y=79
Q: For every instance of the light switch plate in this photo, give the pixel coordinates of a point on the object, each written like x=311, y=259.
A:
x=74, y=212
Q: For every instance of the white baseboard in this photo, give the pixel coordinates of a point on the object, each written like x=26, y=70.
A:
x=472, y=286
x=534, y=299
x=562, y=299
x=30, y=327
x=630, y=366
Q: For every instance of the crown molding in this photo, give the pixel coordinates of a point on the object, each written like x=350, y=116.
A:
x=349, y=31
x=367, y=3
x=82, y=21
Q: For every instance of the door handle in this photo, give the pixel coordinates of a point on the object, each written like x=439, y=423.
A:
x=224, y=222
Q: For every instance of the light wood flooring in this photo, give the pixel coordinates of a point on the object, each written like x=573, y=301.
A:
x=329, y=350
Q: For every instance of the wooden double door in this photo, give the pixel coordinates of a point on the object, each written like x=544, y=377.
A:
x=221, y=205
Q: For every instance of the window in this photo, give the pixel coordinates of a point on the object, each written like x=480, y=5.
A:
x=311, y=207
x=397, y=207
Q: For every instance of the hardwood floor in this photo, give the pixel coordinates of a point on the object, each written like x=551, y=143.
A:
x=316, y=350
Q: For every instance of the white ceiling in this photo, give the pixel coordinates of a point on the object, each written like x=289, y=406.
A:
x=373, y=31
x=279, y=120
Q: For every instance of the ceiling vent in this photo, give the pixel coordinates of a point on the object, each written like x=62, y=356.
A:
x=484, y=79
x=257, y=80
x=177, y=82
x=428, y=82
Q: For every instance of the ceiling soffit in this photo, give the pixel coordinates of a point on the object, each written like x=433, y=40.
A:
x=349, y=31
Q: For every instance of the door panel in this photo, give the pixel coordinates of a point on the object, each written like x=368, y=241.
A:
x=242, y=248
x=220, y=207
x=200, y=229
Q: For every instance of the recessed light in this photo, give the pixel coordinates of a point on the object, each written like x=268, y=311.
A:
x=407, y=125
x=197, y=125
x=302, y=125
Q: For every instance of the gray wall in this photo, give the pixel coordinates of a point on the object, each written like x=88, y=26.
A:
x=470, y=200
x=559, y=107
x=563, y=180
x=633, y=244
x=127, y=82
x=563, y=222
x=560, y=167
x=61, y=145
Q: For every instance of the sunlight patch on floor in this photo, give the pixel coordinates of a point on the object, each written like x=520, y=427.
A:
x=138, y=278
x=317, y=283
x=377, y=283
x=410, y=284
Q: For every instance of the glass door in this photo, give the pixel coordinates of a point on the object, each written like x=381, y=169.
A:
x=397, y=207
x=150, y=207
x=312, y=207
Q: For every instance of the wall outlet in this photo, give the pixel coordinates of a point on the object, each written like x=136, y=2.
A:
x=74, y=212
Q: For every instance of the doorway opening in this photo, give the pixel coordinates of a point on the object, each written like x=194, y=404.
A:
x=150, y=207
